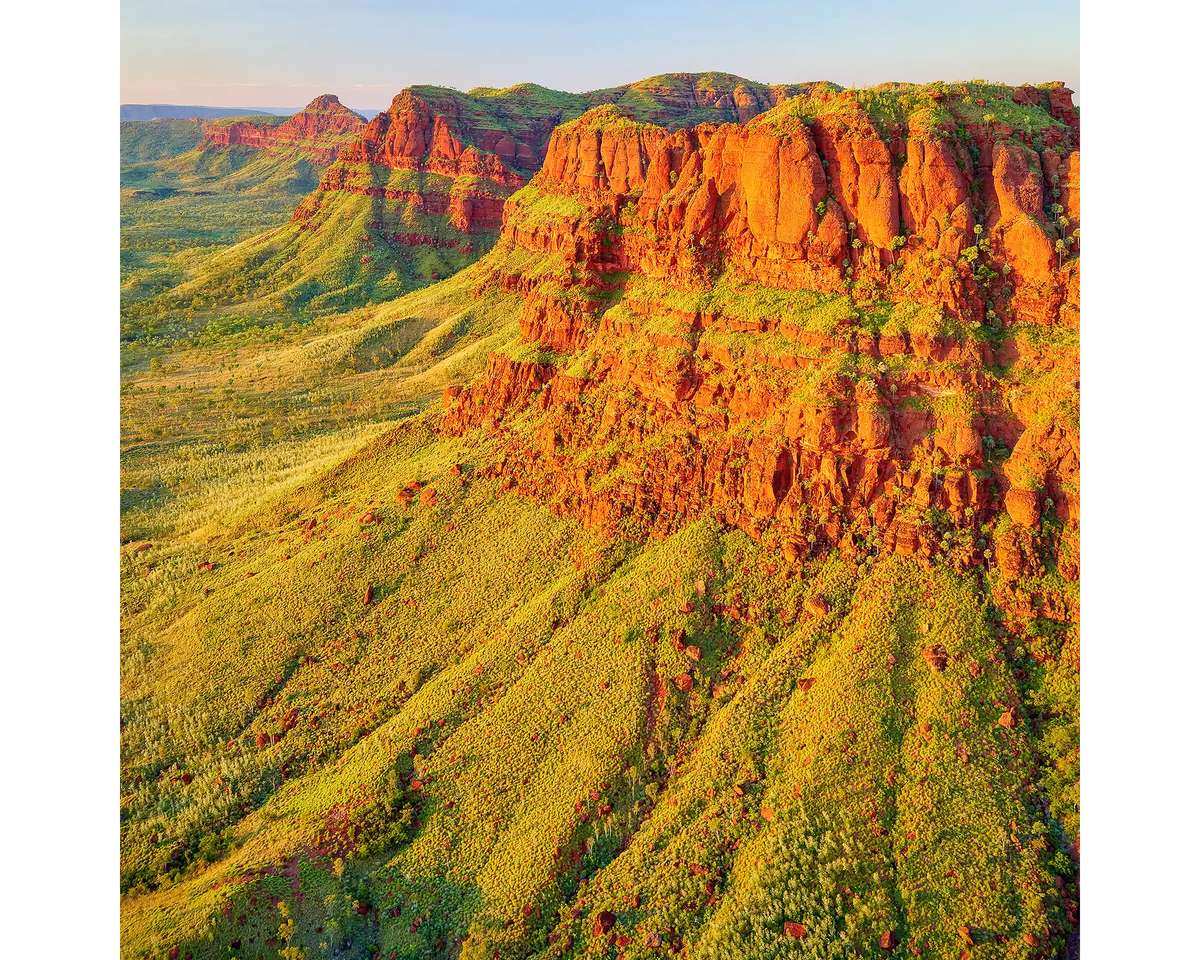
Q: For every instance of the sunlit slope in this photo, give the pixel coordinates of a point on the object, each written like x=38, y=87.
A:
x=334, y=262
x=151, y=140
x=187, y=191
x=176, y=211
x=249, y=409
x=423, y=716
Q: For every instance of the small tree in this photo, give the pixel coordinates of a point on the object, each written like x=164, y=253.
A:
x=1060, y=220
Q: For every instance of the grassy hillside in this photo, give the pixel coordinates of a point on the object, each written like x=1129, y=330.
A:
x=149, y=111
x=375, y=705
x=384, y=726
x=674, y=100
x=211, y=414
x=143, y=141
x=175, y=212
x=183, y=199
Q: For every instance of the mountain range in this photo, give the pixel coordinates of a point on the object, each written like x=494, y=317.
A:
x=175, y=111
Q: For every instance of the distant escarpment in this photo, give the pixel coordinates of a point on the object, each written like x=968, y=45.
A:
x=849, y=324
x=419, y=193
x=319, y=131
x=439, y=164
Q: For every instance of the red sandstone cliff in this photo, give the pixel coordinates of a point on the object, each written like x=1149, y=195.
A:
x=477, y=149
x=319, y=131
x=851, y=435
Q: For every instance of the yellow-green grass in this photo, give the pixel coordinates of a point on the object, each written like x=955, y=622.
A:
x=177, y=210
x=211, y=427
x=931, y=109
x=149, y=140
x=545, y=654
x=343, y=263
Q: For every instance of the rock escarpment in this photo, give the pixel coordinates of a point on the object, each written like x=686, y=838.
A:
x=319, y=131
x=441, y=163
x=766, y=354
x=420, y=192
x=848, y=324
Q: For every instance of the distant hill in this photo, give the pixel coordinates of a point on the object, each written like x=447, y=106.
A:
x=319, y=130
x=153, y=140
x=174, y=111
x=219, y=180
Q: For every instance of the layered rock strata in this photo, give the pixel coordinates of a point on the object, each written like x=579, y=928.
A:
x=319, y=131
x=847, y=324
x=444, y=162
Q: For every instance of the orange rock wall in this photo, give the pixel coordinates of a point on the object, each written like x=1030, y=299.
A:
x=432, y=130
x=320, y=131
x=776, y=441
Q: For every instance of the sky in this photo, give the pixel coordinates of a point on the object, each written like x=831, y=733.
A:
x=283, y=53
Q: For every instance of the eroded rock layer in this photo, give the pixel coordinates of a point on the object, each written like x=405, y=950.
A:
x=850, y=323
x=319, y=131
x=444, y=162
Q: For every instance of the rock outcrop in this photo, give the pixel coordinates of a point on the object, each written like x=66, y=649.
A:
x=443, y=162
x=318, y=132
x=818, y=325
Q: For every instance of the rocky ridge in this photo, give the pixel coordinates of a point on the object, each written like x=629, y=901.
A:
x=319, y=131
x=444, y=162
x=441, y=719
x=850, y=323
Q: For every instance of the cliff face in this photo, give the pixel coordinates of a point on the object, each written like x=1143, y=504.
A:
x=460, y=168
x=447, y=161
x=828, y=326
x=440, y=131
x=319, y=131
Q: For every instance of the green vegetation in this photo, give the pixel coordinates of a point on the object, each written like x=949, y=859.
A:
x=525, y=353
x=532, y=208
x=517, y=676
x=654, y=100
x=495, y=748
x=249, y=402
x=348, y=261
x=936, y=109
x=259, y=120
x=182, y=201
x=738, y=299
x=146, y=141
x=609, y=118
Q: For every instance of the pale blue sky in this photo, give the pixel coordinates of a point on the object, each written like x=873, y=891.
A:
x=282, y=53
